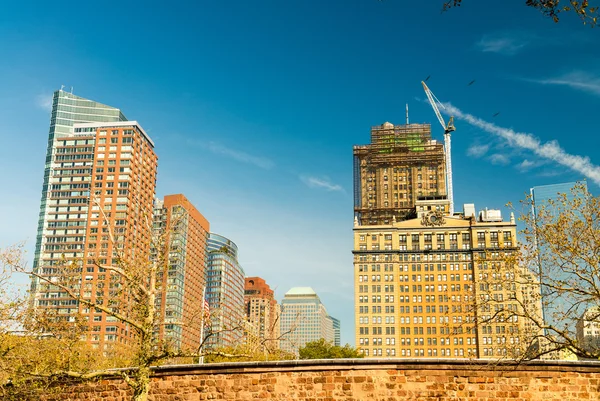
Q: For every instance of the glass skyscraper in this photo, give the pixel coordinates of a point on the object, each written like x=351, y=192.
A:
x=67, y=109
x=99, y=180
x=542, y=194
x=554, y=304
x=186, y=229
x=224, y=292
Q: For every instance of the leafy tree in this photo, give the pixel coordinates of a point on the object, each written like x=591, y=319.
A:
x=557, y=270
x=246, y=353
x=51, y=346
x=323, y=349
x=552, y=8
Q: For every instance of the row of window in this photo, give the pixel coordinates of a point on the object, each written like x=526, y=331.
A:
x=416, y=277
x=417, y=267
x=453, y=237
x=419, y=288
x=417, y=257
x=433, y=352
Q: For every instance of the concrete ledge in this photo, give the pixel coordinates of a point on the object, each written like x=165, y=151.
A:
x=378, y=364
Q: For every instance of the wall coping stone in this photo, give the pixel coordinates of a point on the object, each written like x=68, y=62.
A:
x=590, y=366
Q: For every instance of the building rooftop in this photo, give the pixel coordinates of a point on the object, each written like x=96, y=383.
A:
x=114, y=124
x=301, y=291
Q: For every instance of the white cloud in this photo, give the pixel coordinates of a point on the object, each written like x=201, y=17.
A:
x=320, y=182
x=525, y=165
x=44, y=102
x=507, y=44
x=579, y=80
x=240, y=156
x=498, y=158
x=477, y=150
x=549, y=150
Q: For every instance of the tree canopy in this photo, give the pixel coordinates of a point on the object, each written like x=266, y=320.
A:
x=552, y=8
x=322, y=349
x=558, y=269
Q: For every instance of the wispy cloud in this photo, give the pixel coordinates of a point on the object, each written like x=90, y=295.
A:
x=579, y=80
x=240, y=156
x=44, y=101
x=507, y=44
x=549, y=150
x=499, y=158
x=320, y=182
x=477, y=150
x=525, y=165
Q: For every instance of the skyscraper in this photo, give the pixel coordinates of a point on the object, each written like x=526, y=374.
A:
x=262, y=312
x=185, y=230
x=67, y=109
x=99, y=182
x=540, y=195
x=337, y=327
x=401, y=164
x=546, y=200
x=224, y=292
x=427, y=283
x=304, y=319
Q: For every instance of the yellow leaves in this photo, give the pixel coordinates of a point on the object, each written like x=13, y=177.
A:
x=551, y=9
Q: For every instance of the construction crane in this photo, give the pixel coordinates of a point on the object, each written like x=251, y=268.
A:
x=448, y=128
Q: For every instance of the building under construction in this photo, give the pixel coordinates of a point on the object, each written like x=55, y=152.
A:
x=401, y=165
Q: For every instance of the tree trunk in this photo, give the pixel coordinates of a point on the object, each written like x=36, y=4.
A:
x=142, y=386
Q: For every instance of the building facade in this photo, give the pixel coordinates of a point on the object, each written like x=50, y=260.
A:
x=67, y=110
x=541, y=195
x=546, y=206
x=427, y=283
x=337, y=331
x=401, y=164
x=262, y=313
x=588, y=329
x=184, y=231
x=99, y=183
x=436, y=286
x=304, y=319
x=224, y=293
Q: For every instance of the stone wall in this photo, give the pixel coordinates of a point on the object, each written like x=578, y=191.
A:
x=361, y=379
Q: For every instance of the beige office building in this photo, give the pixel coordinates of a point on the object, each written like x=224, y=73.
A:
x=428, y=284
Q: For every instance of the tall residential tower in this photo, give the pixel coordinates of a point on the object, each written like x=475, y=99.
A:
x=99, y=183
x=185, y=232
x=224, y=292
x=67, y=110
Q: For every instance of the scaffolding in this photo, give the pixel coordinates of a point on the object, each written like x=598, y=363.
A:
x=401, y=163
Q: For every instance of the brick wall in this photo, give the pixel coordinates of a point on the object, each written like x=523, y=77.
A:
x=361, y=379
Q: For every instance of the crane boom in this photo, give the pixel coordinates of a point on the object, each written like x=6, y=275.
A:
x=448, y=128
x=432, y=101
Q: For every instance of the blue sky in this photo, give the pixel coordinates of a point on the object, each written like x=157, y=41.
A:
x=254, y=108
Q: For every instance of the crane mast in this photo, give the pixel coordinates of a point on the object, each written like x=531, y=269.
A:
x=448, y=128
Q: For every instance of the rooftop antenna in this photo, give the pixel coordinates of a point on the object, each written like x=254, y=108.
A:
x=71, y=90
x=407, y=114
x=62, y=87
